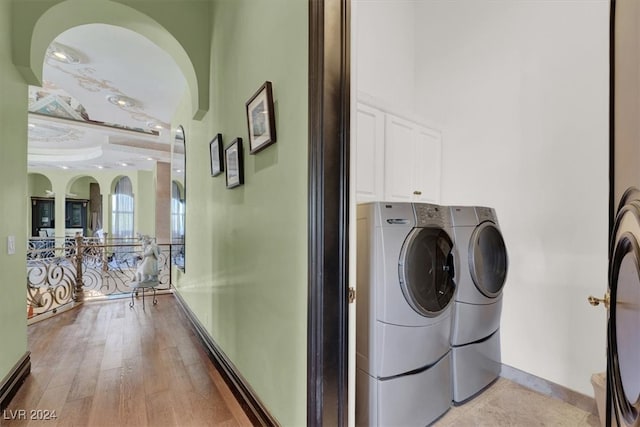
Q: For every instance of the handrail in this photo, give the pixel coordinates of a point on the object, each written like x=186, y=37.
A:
x=84, y=269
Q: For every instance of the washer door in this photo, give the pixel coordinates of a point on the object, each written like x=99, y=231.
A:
x=426, y=270
x=488, y=259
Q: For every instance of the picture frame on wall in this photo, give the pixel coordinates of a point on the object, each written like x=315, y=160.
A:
x=261, y=120
x=216, y=152
x=234, y=164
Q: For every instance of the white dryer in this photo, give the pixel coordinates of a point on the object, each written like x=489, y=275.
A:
x=475, y=333
x=405, y=291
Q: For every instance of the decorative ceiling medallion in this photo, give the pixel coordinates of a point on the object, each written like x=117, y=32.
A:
x=53, y=133
x=65, y=54
x=123, y=101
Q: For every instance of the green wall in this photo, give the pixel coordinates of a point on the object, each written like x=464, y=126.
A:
x=38, y=184
x=246, y=266
x=80, y=187
x=13, y=210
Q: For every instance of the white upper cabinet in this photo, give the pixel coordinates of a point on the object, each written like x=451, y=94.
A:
x=399, y=159
x=427, y=168
x=396, y=159
x=369, y=144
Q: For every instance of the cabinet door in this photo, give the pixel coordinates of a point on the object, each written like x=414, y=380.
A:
x=369, y=143
x=399, y=159
x=42, y=215
x=427, y=169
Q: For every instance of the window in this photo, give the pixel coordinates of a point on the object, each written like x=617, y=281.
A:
x=177, y=214
x=178, y=198
x=122, y=213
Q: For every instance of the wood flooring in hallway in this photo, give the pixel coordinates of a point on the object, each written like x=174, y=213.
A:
x=104, y=364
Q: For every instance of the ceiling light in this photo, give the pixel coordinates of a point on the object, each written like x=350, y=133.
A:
x=124, y=164
x=64, y=167
x=157, y=125
x=31, y=125
x=150, y=158
x=100, y=167
x=65, y=54
x=179, y=170
x=123, y=101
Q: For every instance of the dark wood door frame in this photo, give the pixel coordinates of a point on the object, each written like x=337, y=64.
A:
x=329, y=105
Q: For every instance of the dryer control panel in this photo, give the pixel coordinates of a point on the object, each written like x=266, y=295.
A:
x=428, y=215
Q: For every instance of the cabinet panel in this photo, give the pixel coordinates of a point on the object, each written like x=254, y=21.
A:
x=42, y=216
x=399, y=159
x=428, y=170
x=369, y=143
x=76, y=215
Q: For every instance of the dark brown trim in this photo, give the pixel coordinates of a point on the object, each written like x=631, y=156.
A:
x=14, y=379
x=246, y=396
x=612, y=148
x=612, y=188
x=329, y=105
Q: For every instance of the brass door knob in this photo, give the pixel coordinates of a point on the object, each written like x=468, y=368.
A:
x=417, y=192
x=596, y=301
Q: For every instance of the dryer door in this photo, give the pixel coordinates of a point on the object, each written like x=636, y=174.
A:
x=623, y=334
x=488, y=259
x=426, y=270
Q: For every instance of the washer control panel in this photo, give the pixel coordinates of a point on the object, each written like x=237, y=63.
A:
x=428, y=215
x=486, y=214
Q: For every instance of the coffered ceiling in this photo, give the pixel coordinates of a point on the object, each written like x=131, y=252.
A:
x=107, y=100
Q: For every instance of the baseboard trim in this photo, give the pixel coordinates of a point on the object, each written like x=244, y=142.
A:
x=14, y=379
x=549, y=388
x=239, y=386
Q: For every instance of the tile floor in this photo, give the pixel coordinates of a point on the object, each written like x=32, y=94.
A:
x=506, y=403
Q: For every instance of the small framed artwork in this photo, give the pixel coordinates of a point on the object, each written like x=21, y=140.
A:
x=261, y=119
x=233, y=161
x=215, y=151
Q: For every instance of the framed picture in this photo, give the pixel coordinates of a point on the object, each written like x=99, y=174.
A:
x=234, y=166
x=261, y=119
x=215, y=151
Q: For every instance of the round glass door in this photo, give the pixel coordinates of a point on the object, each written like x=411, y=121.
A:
x=426, y=270
x=624, y=334
x=488, y=259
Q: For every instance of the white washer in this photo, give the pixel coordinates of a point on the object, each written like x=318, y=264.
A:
x=405, y=291
x=475, y=333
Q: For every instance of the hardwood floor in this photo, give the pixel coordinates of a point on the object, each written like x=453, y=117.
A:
x=104, y=364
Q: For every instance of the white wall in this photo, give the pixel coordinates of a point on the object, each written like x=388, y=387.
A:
x=384, y=42
x=520, y=91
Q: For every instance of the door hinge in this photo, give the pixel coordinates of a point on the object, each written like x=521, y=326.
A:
x=352, y=295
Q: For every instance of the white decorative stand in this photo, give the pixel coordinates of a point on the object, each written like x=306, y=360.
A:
x=136, y=286
x=147, y=272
